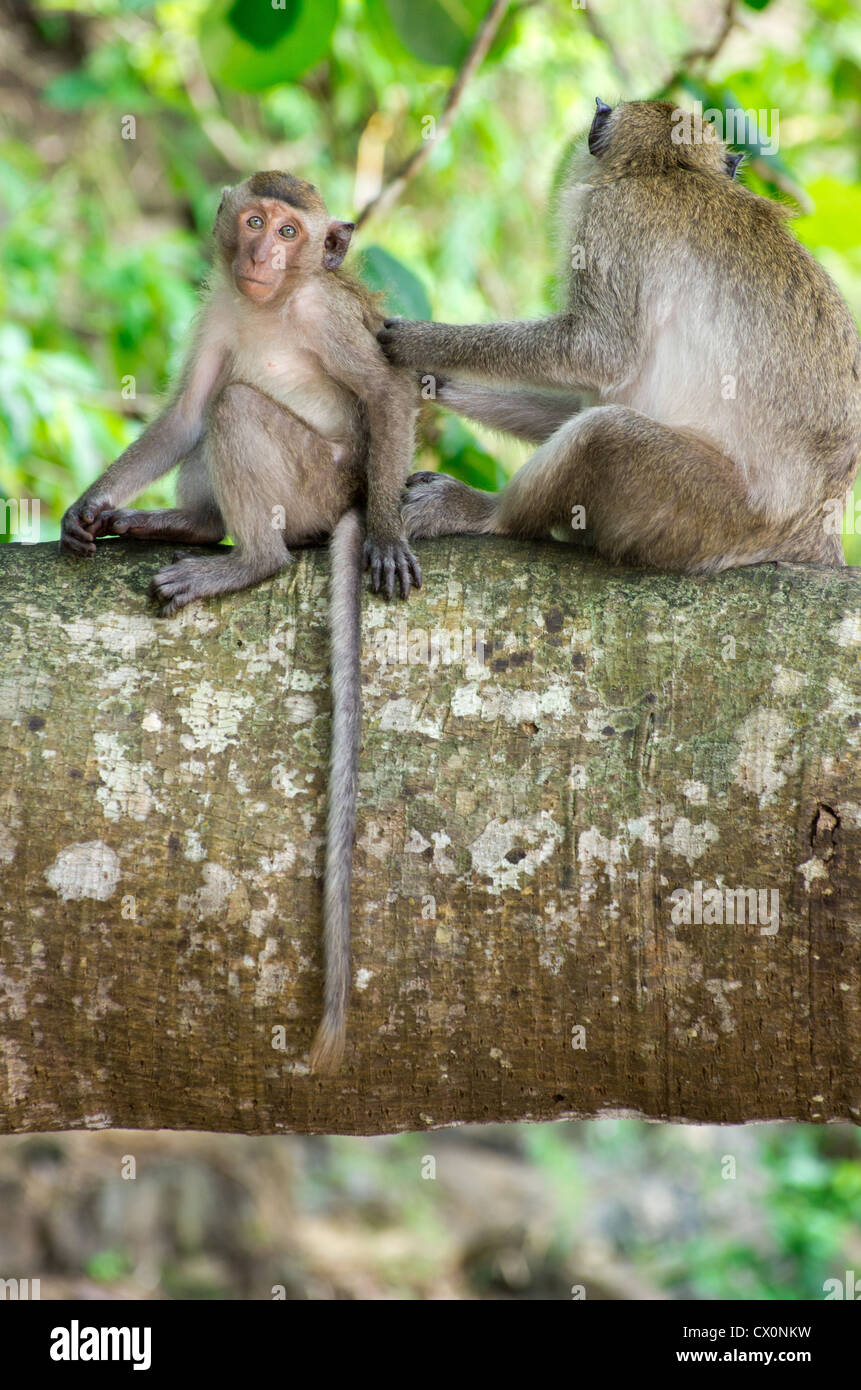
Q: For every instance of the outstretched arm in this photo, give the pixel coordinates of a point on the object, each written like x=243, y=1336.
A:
x=592, y=348
x=163, y=443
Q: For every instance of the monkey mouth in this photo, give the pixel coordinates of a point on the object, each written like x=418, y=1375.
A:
x=251, y=281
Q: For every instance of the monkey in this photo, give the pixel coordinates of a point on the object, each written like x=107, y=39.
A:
x=698, y=395
x=287, y=422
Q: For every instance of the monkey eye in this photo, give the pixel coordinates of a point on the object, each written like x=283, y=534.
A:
x=255, y=222
x=288, y=230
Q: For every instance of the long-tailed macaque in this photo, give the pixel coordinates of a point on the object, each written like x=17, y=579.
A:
x=286, y=420
x=698, y=402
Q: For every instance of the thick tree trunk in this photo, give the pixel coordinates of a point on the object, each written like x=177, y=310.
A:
x=537, y=820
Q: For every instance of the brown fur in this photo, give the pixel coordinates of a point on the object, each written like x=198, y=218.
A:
x=712, y=369
x=285, y=418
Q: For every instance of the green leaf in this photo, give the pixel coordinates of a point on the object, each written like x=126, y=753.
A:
x=461, y=455
x=757, y=4
x=437, y=31
x=251, y=64
x=72, y=91
x=403, y=290
x=262, y=24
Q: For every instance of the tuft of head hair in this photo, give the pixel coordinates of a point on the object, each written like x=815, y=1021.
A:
x=275, y=183
x=653, y=137
x=267, y=183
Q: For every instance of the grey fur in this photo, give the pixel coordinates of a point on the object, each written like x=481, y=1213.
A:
x=286, y=418
x=717, y=368
x=345, y=603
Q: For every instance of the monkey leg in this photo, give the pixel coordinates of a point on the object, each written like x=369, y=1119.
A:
x=197, y=520
x=261, y=460
x=650, y=495
x=643, y=493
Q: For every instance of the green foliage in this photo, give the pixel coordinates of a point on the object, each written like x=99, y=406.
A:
x=249, y=46
x=402, y=291
x=799, y=1200
x=465, y=458
x=103, y=238
x=108, y=1266
x=436, y=31
x=812, y=1204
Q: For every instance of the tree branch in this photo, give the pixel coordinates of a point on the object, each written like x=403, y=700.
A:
x=391, y=191
x=552, y=748
x=597, y=30
x=706, y=54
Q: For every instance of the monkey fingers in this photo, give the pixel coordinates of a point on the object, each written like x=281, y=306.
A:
x=82, y=523
x=405, y=343
x=169, y=524
x=387, y=560
x=174, y=586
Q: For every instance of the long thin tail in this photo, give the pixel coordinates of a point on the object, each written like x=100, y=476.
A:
x=345, y=631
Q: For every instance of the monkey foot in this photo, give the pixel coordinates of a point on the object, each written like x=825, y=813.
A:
x=174, y=586
x=435, y=504
x=389, y=559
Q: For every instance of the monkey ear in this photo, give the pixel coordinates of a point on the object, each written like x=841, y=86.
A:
x=335, y=244
x=598, y=134
x=732, y=162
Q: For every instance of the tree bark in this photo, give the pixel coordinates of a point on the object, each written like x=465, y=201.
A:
x=528, y=815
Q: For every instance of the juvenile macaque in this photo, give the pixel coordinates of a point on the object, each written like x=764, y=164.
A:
x=286, y=419
x=698, y=401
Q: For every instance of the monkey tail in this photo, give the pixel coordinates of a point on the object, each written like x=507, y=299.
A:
x=345, y=626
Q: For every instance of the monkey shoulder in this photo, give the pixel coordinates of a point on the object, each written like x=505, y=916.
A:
x=333, y=305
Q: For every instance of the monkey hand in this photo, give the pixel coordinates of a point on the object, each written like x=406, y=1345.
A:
x=385, y=559
x=83, y=522
x=407, y=343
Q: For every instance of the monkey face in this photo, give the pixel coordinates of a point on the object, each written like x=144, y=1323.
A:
x=271, y=245
x=273, y=231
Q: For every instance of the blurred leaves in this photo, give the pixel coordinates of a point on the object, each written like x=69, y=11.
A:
x=404, y=294
x=461, y=455
x=103, y=240
x=250, y=46
x=436, y=31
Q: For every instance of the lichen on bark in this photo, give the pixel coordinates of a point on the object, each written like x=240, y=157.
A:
x=555, y=752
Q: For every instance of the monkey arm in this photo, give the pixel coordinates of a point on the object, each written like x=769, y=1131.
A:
x=591, y=346
x=161, y=445
x=391, y=417
x=527, y=414
x=557, y=351
x=390, y=400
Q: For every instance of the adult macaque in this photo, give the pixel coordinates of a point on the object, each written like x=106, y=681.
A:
x=286, y=418
x=700, y=396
